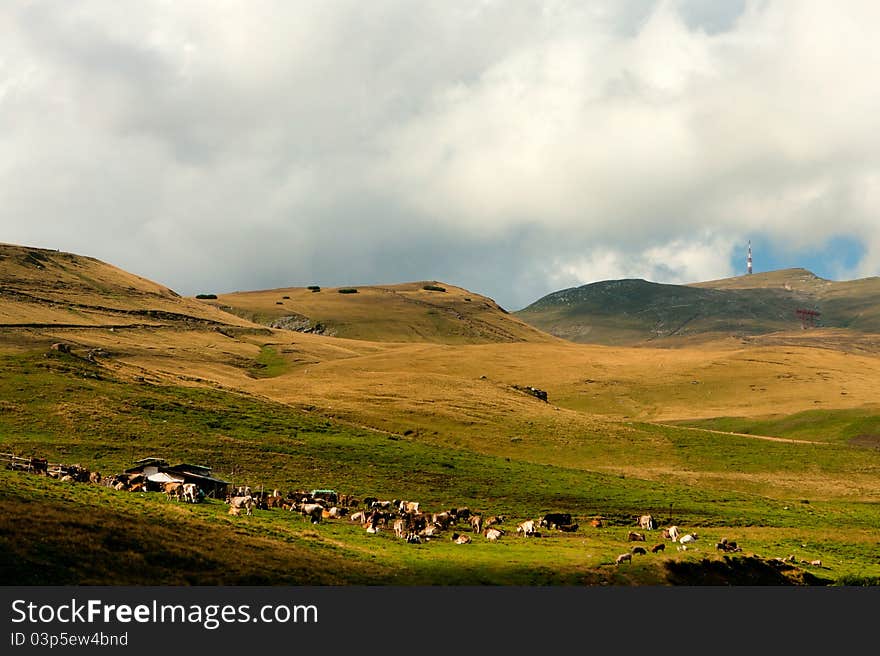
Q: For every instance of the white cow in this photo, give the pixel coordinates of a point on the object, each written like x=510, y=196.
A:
x=646, y=522
x=526, y=528
x=190, y=492
x=687, y=538
x=237, y=503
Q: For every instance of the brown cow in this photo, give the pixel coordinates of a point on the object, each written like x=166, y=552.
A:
x=632, y=536
x=658, y=547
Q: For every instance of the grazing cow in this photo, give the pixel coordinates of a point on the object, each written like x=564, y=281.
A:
x=639, y=550
x=275, y=501
x=494, y=519
x=442, y=519
x=476, y=522
x=816, y=563
x=646, y=522
x=313, y=511
x=400, y=528
x=190, y=492
x=493, y=534
x=95, y=478
x=359, y=516
x=687, y=538
x=526, y=528
x=671, y=533
x=632, y=536
x=623, y=558
x=247, y=503
x=462, y=513
x=658, y=547
x=382, y=505
x=461, y=539
x=555, y=520
x=413, y=538
x=408, y=507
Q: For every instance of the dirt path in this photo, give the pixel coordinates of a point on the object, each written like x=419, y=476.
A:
x=757, y=437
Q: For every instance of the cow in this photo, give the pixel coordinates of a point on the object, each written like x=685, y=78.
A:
x=413, y=538
x=639, y=550
x=632, y=536
x=407, y=507
x=461, y=539
x=570, y=528
x=658, y=547
x=312, y=511
x=190, y=492
x=247, y=503
x=671, y=533
x=442, y=519
x=493, y=534
x=275, y=501
x=476, y=522
x=494, y=519
x=526, y=528
x=646, y=522
x=400, y=528
x=95, y=478
x=430, y=531
x=687, y=538
x=173, y=490
x=555, y=520
x=359, y=516
x=623, y=558
x=462, y=513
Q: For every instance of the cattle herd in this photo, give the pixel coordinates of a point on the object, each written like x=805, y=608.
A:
x=408, y=520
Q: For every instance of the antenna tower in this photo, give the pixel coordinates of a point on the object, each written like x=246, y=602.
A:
x=749, y=258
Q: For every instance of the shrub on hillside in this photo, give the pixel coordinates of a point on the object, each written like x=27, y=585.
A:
x=206, y=296
x=348, y=290
x=313, y=288
x=434, y=288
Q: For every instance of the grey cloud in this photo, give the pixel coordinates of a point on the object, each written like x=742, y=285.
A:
x=509, y=147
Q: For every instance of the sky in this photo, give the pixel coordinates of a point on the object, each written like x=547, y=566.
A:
x=513, y=148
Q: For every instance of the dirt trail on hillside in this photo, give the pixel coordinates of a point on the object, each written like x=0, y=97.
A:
x=757, y=437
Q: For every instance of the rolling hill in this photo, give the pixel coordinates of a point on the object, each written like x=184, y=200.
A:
x=425, y=311
x=636, y=311
x=41, y=288
x=770, y=440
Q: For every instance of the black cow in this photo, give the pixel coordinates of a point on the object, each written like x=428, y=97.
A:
x=555, y=520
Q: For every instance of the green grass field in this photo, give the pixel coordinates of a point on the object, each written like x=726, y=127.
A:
x=69, y=410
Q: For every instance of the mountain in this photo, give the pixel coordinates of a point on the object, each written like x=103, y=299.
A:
x=426, y=311
x=636, y=311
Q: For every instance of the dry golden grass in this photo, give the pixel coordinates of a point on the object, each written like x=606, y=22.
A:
x=388, y=313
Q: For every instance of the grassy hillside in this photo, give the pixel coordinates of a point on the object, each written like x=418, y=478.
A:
x=81, y=415
x=753, y=439
x=425, y=311
x=641, y=312
x=40, y=287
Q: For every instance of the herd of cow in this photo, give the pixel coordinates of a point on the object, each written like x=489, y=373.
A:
x=407, y=519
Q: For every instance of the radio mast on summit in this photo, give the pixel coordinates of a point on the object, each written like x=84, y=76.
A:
x=749, y=258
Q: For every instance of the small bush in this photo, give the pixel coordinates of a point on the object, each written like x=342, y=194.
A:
x=286, y=297
x=206, y=296
x=313, y=288
x=434, y=288
x=278, y=303
x=348, y=290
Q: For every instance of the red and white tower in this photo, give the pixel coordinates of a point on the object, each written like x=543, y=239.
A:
x=749, y=259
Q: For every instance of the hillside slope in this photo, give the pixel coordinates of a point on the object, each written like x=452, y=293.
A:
x=40, y=287
x=425, y=311
x=628, y=312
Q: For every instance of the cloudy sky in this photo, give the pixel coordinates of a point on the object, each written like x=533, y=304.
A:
x=510, y=147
